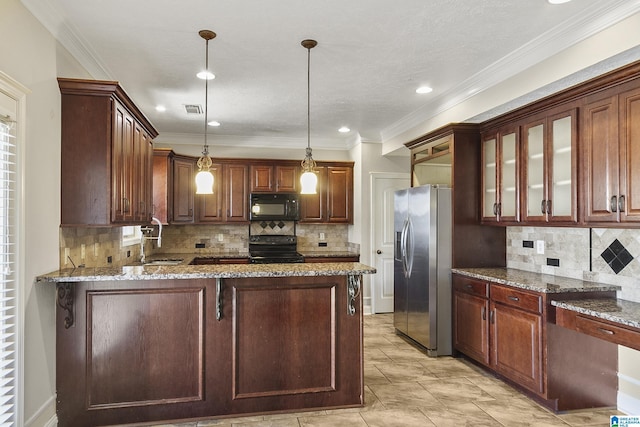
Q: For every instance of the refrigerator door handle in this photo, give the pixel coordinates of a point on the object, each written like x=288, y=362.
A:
x=403, y=247
x=410, y=247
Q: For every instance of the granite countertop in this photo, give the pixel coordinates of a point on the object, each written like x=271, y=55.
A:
x=614, y=310
x=223, y=271
x=536, y=282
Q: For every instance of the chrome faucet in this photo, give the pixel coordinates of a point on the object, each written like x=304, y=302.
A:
x=144, y=238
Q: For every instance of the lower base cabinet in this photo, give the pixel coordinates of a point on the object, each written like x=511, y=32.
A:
x=155, y=350
x=511, y=332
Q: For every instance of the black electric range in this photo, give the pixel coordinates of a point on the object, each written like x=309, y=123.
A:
x=274, y=248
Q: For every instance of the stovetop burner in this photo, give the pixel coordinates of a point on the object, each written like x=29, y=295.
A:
x=268, y=249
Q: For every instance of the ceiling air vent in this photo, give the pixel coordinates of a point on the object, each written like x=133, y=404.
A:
x=193, y=109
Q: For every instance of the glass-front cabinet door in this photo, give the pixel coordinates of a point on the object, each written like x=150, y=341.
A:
x=500, y=163
x=549, y=154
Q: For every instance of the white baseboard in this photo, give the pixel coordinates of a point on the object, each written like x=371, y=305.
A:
x=45, y=416
x=628, y=404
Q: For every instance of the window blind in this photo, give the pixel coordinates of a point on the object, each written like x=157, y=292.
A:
x=8, y=243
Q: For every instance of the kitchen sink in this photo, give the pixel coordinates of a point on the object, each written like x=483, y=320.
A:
x=168, y=261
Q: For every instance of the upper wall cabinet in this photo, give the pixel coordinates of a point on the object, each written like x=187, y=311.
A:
x=500, y=175
x=549, y=153
x=333, y=202
x=106, y=156
x=574, y=153
x=610, y=126
x=228, y=203
x=269, y=178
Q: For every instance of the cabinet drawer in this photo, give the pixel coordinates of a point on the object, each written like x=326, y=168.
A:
x=470, y=286
x=608, y=332
x=516, y=298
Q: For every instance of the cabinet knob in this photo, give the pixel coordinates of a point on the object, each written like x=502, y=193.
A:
x=378, y=251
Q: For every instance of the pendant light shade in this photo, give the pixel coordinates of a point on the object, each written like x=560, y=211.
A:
x=308, y=179
x=204, y=177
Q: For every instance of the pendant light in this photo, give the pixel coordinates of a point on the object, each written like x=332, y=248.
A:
x=308, y=179
x=204, y=177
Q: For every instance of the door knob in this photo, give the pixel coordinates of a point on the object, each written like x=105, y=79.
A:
x=378, y=251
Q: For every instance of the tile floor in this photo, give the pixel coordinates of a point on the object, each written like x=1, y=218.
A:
x=405, y=388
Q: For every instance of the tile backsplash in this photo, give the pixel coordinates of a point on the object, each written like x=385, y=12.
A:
x=103, y=246
x=602, y=255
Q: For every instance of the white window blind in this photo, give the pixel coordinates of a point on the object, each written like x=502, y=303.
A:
x=8, y=243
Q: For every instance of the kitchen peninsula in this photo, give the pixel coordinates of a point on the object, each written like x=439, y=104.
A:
x=154, y=342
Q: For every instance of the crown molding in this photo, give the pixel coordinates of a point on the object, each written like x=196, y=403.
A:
x=590, y=22
x=252, y=141
x=53, y=20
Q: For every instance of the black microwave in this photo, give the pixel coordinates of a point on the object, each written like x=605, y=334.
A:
x=274, y=207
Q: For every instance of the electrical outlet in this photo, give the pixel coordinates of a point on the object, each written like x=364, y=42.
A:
x=220, y=237
x=321, y=236
x=95, y=249
x=540, y=247
x=82, y=250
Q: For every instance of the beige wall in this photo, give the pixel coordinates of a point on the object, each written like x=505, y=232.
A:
x=31, y=56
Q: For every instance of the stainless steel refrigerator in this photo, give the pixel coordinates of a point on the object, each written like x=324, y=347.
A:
x=422, y=267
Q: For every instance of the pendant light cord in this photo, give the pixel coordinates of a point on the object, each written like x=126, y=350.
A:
x=205, y=151
x=308, y=97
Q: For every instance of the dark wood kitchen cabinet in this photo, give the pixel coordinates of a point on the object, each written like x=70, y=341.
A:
x=106, y=156
x=497, y=331
x=229, y=201
x=162, y=184
x=550, y=167
x=515, y=319
x=610, y=126
x=511, y=332
x=270, y=178
x=333, y=201
x=156, y=350
x=184, y=189
x=470, y=325
x=501, y=175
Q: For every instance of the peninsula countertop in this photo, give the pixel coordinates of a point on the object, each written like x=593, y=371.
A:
x=224, y=271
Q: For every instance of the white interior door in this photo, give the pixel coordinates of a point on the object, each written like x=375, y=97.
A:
x=383, y=185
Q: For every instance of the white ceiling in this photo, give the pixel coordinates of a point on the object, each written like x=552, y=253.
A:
x=370, y=58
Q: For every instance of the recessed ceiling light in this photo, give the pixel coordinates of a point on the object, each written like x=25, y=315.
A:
x=214, y=123
x=558, y=1
x=208, y=75
x=344, y=129
x=161, y=108
x=424, y=89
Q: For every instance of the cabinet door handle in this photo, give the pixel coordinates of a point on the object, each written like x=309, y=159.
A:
x=484, y=313
x=125, y=205
x=606, y=331
x=543, y=206
x=512, y=298
x=492, y=317
x=621, y=204
x=549, y=207
x=495, y=209
x=499, y=209
x=614, y=204
x=218, y=299
x=470, y=287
